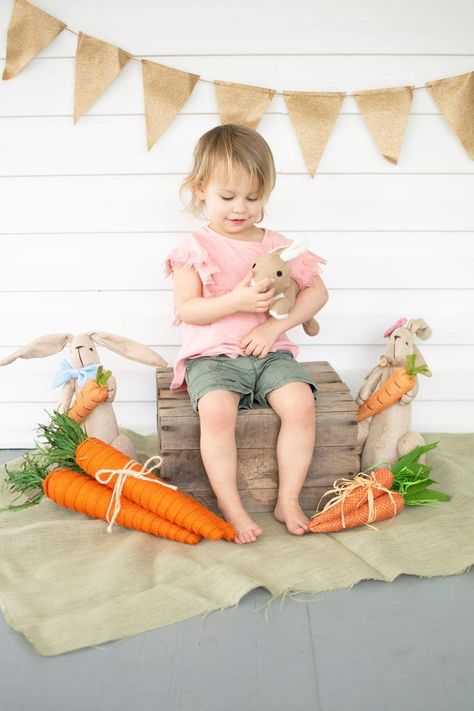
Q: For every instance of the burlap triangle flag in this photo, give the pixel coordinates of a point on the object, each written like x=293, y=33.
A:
x=166, y=89
x=242, y=103
x=313, y=115
x=29, y=31
x=97, y=65
x=386, y=114
x=455, y=98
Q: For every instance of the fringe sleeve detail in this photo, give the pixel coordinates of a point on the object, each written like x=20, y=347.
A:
x=306, y=268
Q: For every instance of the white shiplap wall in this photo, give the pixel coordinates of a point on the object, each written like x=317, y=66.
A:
x=87, y=214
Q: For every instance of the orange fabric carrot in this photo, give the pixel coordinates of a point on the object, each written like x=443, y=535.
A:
x=91, y=394
x=80, y=493
x=393, y=388
x=353, y=493
x=70, y=447
x=94, y=456
x=385, y=506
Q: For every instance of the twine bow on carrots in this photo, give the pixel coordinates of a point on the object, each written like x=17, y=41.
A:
x=122, y=475
x=344, y=487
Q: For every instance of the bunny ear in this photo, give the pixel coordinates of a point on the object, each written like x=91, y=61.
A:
x=128, y=348
x=294, y=250
x=419, y=327
x=40, y=347
x=419, y=360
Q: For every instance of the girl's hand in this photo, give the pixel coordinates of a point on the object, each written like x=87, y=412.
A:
x=251, y=298
x=260, y=339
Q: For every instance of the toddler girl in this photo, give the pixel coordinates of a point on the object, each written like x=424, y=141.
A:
x=233, y=351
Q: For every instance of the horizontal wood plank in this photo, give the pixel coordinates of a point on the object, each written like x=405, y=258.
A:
x=96, y=203
x=37, y=261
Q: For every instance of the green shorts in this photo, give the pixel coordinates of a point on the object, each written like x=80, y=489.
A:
x=251, y=376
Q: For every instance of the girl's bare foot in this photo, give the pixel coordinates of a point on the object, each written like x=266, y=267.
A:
x=291, y=513
x=247, y=530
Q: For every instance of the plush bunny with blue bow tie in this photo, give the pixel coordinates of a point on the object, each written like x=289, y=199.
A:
x=81, y=367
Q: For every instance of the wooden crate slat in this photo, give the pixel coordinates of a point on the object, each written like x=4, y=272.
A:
x=256, y=468
x=336, y=428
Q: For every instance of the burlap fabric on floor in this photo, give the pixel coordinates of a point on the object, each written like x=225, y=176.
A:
x=65, y=583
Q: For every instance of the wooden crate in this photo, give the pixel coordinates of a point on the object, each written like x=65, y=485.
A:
x=256, y=437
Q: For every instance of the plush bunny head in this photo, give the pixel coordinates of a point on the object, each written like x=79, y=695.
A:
x=274, y=264
x=83, y=351
x=401, y=341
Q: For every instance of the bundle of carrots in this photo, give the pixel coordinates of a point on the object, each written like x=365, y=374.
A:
x=378, y=495
x=63, y=472
x=91, y=394
x=392, y=390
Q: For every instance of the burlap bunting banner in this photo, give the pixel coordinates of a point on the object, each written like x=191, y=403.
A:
x=313, y=115
x=97, y=65
x=165, y=90
x=455, y=98
x=29, y=31
x=386, y=114
x=242, y=103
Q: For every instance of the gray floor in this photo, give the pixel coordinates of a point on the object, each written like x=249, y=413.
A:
x=405, y=645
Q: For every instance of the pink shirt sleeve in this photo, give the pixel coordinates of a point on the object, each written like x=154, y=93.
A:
x=189, y=253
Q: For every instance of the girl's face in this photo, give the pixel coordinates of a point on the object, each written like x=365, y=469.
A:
x=232, y=205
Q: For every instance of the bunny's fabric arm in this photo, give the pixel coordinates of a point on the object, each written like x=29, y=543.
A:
x=370, y=384
x=308, y=302
x=67, y=393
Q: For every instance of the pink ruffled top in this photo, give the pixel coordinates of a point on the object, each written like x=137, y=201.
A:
x=221, y=263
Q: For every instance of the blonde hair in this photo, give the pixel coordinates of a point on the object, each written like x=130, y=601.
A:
x=224, y=148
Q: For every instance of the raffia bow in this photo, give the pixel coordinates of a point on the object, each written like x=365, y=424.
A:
x=122, y=475
x=342, y=487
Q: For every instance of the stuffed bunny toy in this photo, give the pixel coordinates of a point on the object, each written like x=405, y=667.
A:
x=84, y=360
x=387, y=435
x=275, y=264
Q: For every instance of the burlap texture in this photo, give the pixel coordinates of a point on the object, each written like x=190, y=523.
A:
x=65, y=583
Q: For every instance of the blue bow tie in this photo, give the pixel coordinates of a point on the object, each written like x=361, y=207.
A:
x=66, y=372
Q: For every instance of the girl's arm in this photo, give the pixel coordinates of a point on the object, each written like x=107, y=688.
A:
x=191, y=306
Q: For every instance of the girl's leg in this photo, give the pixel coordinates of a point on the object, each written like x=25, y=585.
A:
x=218, y=415
x=294, y=404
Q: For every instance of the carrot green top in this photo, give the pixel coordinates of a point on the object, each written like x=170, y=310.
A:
x=412, y=369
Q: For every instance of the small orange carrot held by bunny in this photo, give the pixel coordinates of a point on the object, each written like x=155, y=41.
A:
x=393, y=388
x=91, y=394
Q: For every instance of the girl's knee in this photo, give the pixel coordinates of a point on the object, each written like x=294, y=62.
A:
x=218, y=408
x=296, y=404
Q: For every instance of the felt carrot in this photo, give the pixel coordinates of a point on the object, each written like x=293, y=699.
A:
x=91, y=394
x=72, y=448
x=79, y=492
x=392, y=389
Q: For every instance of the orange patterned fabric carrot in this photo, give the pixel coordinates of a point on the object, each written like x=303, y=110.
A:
x=91, y=394
x=353, y=496
x=385, y=506
x=347, y=498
